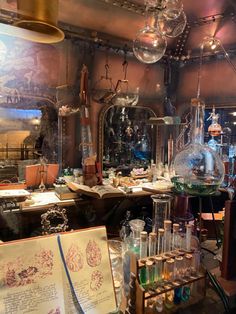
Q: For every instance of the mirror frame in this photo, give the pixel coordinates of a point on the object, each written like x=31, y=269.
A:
x=102, y=115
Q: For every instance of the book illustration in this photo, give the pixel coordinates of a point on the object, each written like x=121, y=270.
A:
x=74, y=258
x=22, y=272
x=93, y=254
x=96, y=280
x=56, y=311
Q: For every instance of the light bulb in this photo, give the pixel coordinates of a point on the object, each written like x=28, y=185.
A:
x=172, y=8
x=149, y=46
x=172, y=28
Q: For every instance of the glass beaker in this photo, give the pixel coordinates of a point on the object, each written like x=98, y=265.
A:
x=161, y=210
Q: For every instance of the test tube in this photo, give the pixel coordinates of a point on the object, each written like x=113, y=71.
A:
x=150, y=270
x=175, y=237
x=188, y=237
x=167, y=235
x=188, y=264
x=160, y=241
x=169, y=269
x=143, y=275
x=152, y=247
x=179, y=267
x=143, y=244
x=158, y=269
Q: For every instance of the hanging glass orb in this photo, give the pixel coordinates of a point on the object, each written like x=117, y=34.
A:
x=149, y=46
x=172, y=27
x=172, y=8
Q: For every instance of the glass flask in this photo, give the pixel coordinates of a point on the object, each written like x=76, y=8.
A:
x=172, y=28
x=161, y=210
x=200, y=167
x=149, y=46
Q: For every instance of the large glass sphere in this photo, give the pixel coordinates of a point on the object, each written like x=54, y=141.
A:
x=149, y=45
x=173, y=8
x=200, y=168
x=172, y=27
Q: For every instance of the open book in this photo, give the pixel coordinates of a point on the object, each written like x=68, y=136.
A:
x=33, y=279
x=97, y=191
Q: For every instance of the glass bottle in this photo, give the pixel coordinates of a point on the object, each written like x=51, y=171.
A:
x=152, y=244
x=161, y=210
x=125, y=226
x=200, y=167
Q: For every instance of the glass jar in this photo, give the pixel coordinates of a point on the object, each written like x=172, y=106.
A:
x=200, y=167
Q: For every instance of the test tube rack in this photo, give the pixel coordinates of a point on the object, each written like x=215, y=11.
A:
x=143, y=293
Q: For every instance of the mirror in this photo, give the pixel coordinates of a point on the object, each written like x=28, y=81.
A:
x=125, y=139
x=28, y=131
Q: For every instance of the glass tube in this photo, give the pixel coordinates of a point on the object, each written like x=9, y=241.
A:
x=150, y=270
x=143, y=244
x=158, y=269
x=152, y=247
x=175, y=237
x=188, y=258
x=167, y=235
x=188, y=237
x=143, y=275
x=160, y=241
x=179, y=267
x=169, y=269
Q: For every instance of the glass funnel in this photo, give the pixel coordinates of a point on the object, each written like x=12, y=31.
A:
x=200, y=167
x=161, y=210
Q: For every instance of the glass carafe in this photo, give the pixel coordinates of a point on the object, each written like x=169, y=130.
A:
x=200, y=167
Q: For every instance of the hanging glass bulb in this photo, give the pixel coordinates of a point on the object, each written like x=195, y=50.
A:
x=171, y=27
x=172, y=8
x=201, y=168
x=149, y=46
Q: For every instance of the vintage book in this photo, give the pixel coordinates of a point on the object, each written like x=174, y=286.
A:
x=97, y=191
x=33, y=278
x=64, y=193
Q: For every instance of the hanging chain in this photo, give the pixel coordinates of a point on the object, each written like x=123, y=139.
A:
x=125, y=63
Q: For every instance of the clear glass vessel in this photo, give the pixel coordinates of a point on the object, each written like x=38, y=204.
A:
x=161, y=210
x=200, y=167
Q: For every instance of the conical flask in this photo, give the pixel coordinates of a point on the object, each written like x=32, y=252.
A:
x=200, y=167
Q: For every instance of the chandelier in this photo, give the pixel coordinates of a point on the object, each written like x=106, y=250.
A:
x=164, y=19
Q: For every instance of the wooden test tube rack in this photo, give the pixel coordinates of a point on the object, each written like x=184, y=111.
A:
x=144, y=294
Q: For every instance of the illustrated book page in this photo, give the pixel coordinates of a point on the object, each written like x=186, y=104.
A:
x=31, y=277
x=97, y=191
x=87, y=259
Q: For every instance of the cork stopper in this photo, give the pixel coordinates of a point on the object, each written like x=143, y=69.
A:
x=143, y=235
x=167, y=224
x=170, y=261
x=161, y=231
x=158, y=259
x=149, y=263
x=179, y=258
x=152, y=235
x=188, y=256
x=175, y=227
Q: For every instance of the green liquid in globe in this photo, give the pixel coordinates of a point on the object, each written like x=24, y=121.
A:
x=200, y=189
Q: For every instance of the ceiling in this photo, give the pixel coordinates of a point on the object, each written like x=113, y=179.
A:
x=117, y=21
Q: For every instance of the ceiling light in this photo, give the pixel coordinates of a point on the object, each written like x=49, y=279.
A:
x=233, y=113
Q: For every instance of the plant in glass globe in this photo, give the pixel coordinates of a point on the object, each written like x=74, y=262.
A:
x=200, y=168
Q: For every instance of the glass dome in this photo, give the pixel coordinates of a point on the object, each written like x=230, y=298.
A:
x=199, y=166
